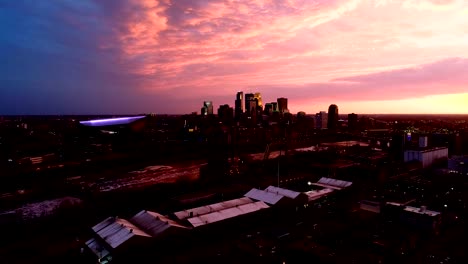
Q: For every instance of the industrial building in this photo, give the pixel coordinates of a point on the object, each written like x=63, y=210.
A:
x=117, y=238
x=427, y=157
x=217, y=212
x=332, y=183
x=425, y=154
x=418, y=218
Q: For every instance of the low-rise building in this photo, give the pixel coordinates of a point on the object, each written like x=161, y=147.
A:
x=426, y=156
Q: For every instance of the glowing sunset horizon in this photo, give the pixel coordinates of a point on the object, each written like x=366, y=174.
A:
x=168, y=56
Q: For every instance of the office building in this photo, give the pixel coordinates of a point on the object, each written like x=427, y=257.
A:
x=268, y=109
x=352, y=122
x=332, y=117
x=250, y=104
x=258, y=97
x=275, y=106
x=239, y=104
x=283, y=105
x=207, y=108
x=225, y=114
x=321, y=120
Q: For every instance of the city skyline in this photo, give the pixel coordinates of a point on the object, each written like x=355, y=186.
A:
x=128, y=57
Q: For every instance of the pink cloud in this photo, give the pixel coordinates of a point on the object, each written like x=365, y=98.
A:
x=350, y=50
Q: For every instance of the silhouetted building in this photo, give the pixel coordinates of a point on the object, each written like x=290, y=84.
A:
x=225, y=114
x=321, y=120
x=207, y=108
x=268, y=109
x=352, y=122
x=275, y=106
x=239, y=104
x=258, y=97
x=283, y=105
x=301, y=115
x=250, y=104
x=332, y=117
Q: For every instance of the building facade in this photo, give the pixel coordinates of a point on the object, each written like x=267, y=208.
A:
x=427, y=157
x=332, y=117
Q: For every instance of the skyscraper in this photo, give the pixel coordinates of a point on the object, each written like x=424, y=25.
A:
x=282, y=105
x=239, y=104
x=225, y=114
x=352, y=121
x=268, y=109
x=275, y=106
x=250, y=104
x=321, y=120
x=258, y=97
x=332, y=116
x=208, y=106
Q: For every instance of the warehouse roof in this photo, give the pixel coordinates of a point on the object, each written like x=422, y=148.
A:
x=316, y=194
x=97, y=248
x=284, y=192
x=264, y=196
x=333, y=183
x=226, y=213
x=211, y=208
x=422, y=211
x=116, y=231
x=154, y=223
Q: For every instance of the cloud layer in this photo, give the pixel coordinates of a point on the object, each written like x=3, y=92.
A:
x=129, y=56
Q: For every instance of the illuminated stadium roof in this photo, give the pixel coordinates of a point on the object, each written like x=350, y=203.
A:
x=111, y=121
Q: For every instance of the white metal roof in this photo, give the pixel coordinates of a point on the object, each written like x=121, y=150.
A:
x=284, y=192
x=116, y=231
x=99, y=250
x=153, y=223
x=315, y=194
x=264, y=196
x=211, y=208
x=334, y=183
x=394, y=204
x=227, y=213
x=420, y=211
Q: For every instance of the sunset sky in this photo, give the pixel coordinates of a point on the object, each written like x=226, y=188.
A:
x=168, y=56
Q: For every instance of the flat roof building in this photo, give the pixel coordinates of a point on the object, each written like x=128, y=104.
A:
x=427, y=156
x=227, y=213
x=332, y=183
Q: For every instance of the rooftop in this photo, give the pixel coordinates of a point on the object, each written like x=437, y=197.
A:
x=428, y=149
x=154, y=223
x=116, y=231
x=97, y=248
x=284, y=192
x=333, y=183
x=265, y=196
x=226, y=213
x=202, y=210
x=316, y=194
x=421, y=211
